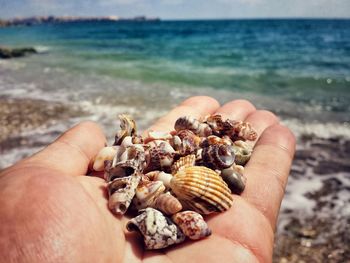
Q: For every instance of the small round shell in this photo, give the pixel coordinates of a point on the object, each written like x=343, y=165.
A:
x=234, y=178
x=105, y=154
x=202, y=189
x=192, y=224
x=157, y=230
x=167, y=203
x=218, y=156
x=243, y=151
x=192, y=124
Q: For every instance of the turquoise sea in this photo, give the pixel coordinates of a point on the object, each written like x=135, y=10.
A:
x=299, y=69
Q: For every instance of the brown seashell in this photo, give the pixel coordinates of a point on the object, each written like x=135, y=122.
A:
x=239, y=130
x=192, y=124
x=147, y=192
x=234, y=178
x=215, y=122
x=157, y=230
x=167, y=203
x=121, y=192
x=202, y=189
x=189, y=142
x=243, y=151
x=160, y=176
x=218, y=156
x=183, y=162
x=128, y=128
x=159, y=156
x=192, y=224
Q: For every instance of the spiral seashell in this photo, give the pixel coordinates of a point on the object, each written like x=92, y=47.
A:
x=160, y=176
x=202, y=189
x=127, y=126
x=105, y=154
x=218, y=156
x=239, y=130
x=157, y=230
x=147, y=192
x=242, y=151
x=121, y=192
x=167, y=203
x=157, y=135
x=159, y=156
x=234, y=178
x=183, y=162
x=216, y=140
x=192, y=124
x=192, y=224
x=215, y=122
x=126, y=162
x=189, y=142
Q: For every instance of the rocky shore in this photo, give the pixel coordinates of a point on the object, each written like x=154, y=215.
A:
x=6, y=52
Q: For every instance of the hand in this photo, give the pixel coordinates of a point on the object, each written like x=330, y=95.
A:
x=51, y=212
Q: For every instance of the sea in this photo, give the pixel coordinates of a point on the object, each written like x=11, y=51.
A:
x=299, y=69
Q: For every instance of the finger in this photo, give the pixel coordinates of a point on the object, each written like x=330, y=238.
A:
x=268, y=170
x=72, y=152
x=198, y=106
x=236, y=110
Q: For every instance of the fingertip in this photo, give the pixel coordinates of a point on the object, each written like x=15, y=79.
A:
x=237, y=109
x=200, y=101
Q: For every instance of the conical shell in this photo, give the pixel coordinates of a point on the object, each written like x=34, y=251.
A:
x=167, y=203
x=159, y=156
x=127, y=126
x=202, y=189
x=147, y=192
x=183, y=162
x=192, y=124
x=192, y=224
x=157, y=230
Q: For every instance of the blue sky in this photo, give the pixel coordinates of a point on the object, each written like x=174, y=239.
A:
x=183, y=9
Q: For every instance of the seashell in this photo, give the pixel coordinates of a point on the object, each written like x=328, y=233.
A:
x=160, y=176
x=183, y=162
x=192, y=124
x=215, y=140
x=167, y=203
x=192, y=224
x=146, y=193
x=218, y=156
x=121, y=192
x=157, y=135
x=105, y=154
x=189, y=142
x=127, y=126
x=159, y=156
x=240, y=130
x=126, y=162
x=215, y=122
x=158, y=231
x=234, y=178
x=202, y=189
x=243, y=151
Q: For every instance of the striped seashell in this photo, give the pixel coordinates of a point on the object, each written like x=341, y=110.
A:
x=234, y=178
x=201, y=189
x=157, y=230
x=243, y=151
x=128, y=128
x=240, y=130
x=121, y=192
x=192, y=124
x=189, y=142
x=160, y=176
x=183, y=162
x=215, y=122
x=167, y=203
x=214, y=140
x=159, y=156
x=147, y=192
x=192, y=224
x=105, y=154
x=218, y=156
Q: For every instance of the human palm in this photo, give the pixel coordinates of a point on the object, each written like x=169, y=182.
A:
x=50, y=211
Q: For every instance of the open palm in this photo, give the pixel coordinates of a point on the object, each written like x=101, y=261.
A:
x=50, y=211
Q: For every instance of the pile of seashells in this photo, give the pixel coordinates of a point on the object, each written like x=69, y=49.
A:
x=172, y=179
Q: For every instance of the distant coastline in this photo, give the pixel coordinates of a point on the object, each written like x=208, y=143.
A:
x=35, y=20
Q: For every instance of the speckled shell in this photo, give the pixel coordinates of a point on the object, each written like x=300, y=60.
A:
x=183, y=162
x=167, y=203
x=121, y=192
x=218, y=156
x=147, y=192
x=216, y=140
x=127, y=126
x=243, y=151
x=192, y=124
x=160, y=176
x=201, y=189
x=157, y=230
x=240, y=130
x=192, y=224
x=215, y=122
x=159, y=156
x=105, y=154
x=189, y=142
x=234, y=178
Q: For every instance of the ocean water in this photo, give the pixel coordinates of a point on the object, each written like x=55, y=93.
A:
x=299, y=69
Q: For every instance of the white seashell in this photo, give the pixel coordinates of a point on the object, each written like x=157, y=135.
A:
x=105, y=154
x=160, y=176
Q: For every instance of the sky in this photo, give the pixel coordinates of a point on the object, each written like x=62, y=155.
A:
x=178, y=9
